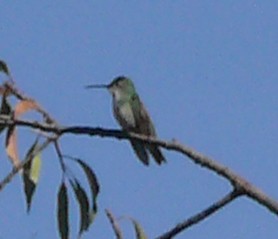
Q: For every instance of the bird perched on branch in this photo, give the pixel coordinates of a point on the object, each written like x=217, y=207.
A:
x=132, y=116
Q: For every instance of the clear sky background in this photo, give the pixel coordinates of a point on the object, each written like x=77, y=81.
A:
x=207, y=72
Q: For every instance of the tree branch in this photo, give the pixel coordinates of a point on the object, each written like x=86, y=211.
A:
x=201, y=215
x=237, y=181
x=241, y=187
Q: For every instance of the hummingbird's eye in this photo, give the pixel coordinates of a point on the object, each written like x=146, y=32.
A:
x=120, y=84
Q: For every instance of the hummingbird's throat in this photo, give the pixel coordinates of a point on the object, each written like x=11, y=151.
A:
x=116, y=95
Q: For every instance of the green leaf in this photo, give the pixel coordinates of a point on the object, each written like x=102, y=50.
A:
x=4, y=68
x=94, y=186
x=32, y=149
x=139, y=230
x=31, y=172
x=29, y=189
x=117, y=230
x=84, y=207
x=5, y=109
x=35, y=168
x=63, y=212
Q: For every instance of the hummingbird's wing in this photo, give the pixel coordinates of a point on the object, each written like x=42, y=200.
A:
x=125, y=118
x=145, y=126
x=156, y=153
x=140, y=151
x=143, y=122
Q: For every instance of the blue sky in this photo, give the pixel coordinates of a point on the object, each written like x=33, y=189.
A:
x=207, y=72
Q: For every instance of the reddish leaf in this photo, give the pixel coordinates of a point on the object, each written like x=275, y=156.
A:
x=24, y=106
x=11, y=139
x=11, y=146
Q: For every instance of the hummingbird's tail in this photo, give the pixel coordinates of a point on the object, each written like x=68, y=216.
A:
x=157, y=154
x=140, y=151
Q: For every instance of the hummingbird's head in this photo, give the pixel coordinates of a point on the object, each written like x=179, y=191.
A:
x=121, y=86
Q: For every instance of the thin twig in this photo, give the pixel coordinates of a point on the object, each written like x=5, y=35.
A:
x=201, y=215
x=60, y=156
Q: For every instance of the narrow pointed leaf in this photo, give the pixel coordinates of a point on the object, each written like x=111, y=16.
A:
x=139, y=230
x=84, y=207
x=4, y=67
x=6, y=109
x=63, y=212
x=31, y=172
x=94, y=186
x=29, y=188
x=32, y=149
x=11, y=146
x=114, y=224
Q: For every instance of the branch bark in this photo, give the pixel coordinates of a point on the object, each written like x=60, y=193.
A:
x=201, y=215
x=240, y=185
x=236, y=180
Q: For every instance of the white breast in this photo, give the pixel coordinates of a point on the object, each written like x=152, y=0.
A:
x=124, y=115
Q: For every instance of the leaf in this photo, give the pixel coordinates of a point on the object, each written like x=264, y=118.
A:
x=94, y=186
x=114, y=224
x=4, y=68
x=11, y=139
x=63, y=212
x=25, y=105
x=6, y=109
x=11, y=146
x=84, y=207
x=139, y=230
x=36, y=168
x=31, y=172
x=32, y=149
x=29, y=188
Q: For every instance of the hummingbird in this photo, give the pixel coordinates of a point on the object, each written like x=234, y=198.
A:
x=132, y=116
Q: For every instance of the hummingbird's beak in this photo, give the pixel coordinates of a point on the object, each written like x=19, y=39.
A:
x=97, y=86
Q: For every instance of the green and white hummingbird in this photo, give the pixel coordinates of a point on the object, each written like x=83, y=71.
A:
x=132, y=116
